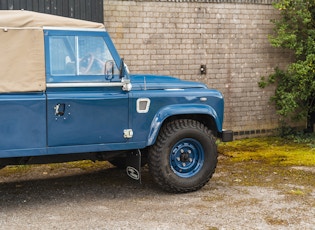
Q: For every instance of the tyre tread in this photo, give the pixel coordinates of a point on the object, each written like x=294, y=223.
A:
x=156, y=150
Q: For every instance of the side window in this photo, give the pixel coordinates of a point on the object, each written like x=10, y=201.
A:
x=94, y=57
x=81, y=56
x=62, y=55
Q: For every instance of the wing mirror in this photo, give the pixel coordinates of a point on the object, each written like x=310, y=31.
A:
x=109, y=69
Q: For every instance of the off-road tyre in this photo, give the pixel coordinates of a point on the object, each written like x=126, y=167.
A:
x=184, y=156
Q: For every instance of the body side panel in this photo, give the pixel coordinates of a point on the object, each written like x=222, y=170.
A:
x=23, y=122
x=91, y=116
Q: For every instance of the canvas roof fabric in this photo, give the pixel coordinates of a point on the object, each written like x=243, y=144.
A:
x=22, y=60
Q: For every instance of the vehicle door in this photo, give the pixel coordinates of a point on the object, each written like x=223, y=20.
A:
x=85, y=101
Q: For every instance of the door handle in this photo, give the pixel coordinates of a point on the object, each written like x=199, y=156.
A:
x=60, y=109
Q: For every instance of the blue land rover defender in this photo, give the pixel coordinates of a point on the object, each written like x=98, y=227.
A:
x=66, y=94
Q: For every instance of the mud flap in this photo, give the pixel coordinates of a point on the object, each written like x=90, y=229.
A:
x=133, y=163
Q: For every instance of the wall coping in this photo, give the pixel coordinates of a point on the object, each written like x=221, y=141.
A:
x=260, y=2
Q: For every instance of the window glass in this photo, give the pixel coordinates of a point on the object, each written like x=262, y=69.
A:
x=62, y=55
x=81, y=55
x=94, y=56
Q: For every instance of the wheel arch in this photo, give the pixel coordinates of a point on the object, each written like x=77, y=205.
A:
x=203, y=113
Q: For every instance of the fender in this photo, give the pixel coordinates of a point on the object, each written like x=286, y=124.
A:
x=180, y=109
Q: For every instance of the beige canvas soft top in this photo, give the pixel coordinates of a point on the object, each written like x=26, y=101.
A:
x=22, y=61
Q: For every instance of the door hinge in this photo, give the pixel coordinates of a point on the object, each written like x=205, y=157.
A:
x=128, y=133
x=126, y=85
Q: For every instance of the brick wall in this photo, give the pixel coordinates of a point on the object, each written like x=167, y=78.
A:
x=175, y=37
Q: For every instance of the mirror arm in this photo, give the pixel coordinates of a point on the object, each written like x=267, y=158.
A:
x=121, y=68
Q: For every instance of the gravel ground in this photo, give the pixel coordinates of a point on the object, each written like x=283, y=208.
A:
x=248, y=195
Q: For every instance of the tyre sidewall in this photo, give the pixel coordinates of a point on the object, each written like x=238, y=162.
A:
x=209, y=164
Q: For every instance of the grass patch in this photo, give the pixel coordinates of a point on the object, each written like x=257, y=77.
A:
x=271, y=150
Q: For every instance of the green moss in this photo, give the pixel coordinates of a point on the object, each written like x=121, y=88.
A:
x=268, y=162
x=84, y=165
x=271, y=150
x=87, y=164
x=16, y=169
x=296, y=192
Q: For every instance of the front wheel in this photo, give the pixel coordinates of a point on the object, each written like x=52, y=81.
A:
x=184, y=157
